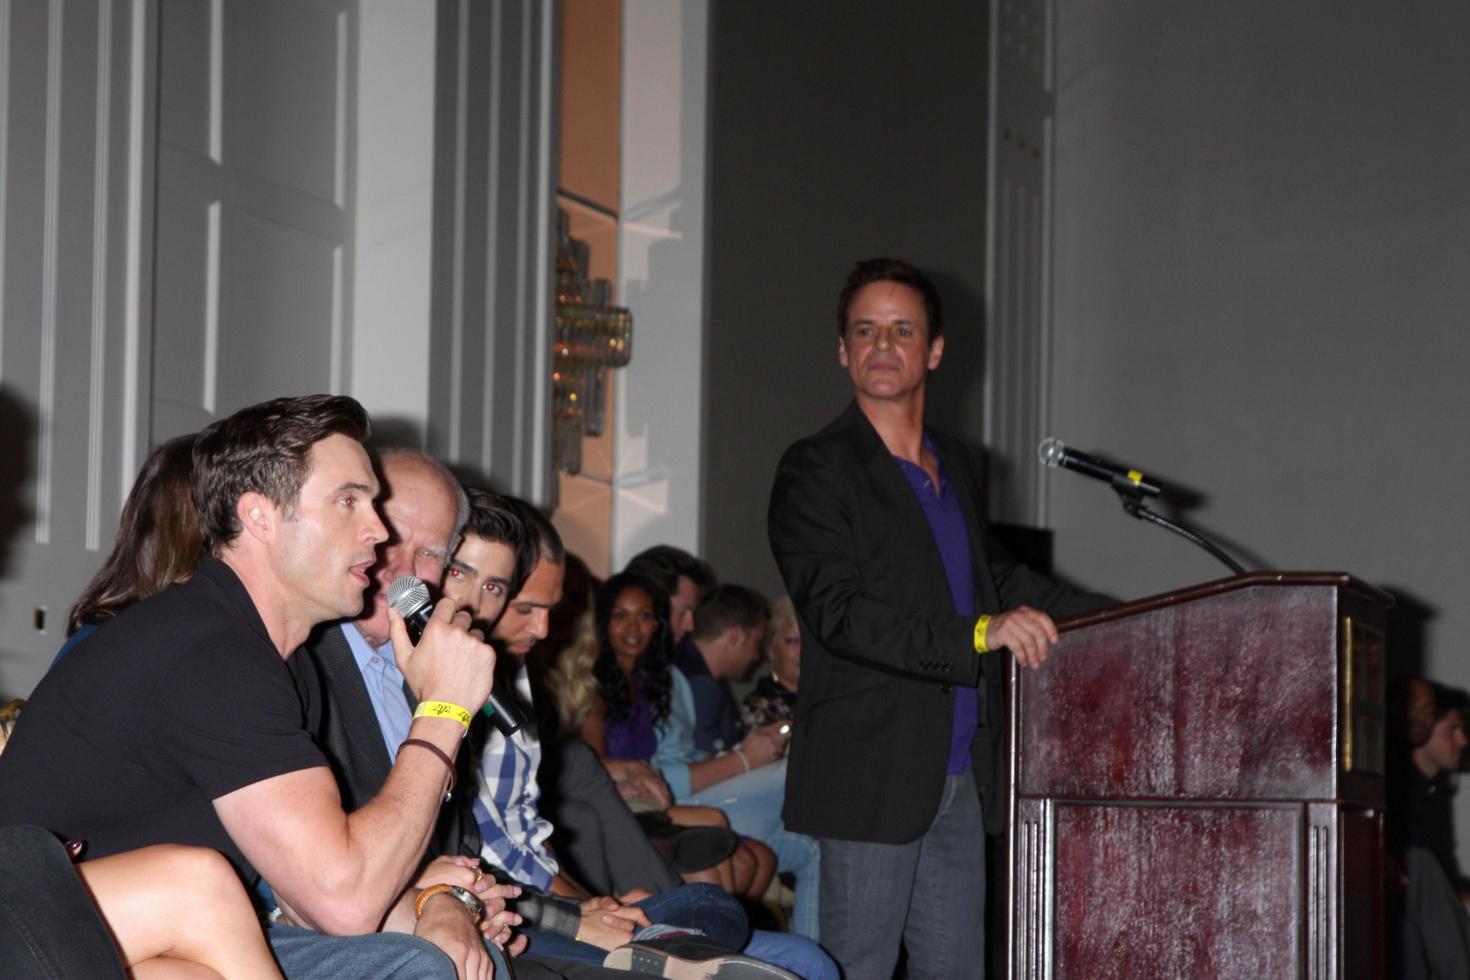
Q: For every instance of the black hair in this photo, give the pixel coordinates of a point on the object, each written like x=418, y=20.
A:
x=869, y=271
x=664, y=564
x=495, y=518
x=652, y=673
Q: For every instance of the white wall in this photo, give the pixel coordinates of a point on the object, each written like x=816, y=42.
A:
x=395, y=207
x=657, y=477
x=1262, y=273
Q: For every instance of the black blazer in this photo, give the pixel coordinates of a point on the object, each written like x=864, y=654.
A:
x=353, y=743
x=882, y=647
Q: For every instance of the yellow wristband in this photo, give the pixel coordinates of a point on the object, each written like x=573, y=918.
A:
x=982, y=626
x=443, y=709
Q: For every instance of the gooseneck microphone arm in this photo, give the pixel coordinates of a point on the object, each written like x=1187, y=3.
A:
x=1131, y=486
x=1133, y=507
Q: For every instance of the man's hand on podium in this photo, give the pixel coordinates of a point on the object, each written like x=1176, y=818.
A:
x=1028, y=633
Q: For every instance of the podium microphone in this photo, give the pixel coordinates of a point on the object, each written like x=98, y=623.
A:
x=1054, y=452
x=409, y=597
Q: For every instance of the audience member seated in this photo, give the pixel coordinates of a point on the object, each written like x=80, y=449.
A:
x=515, y=832
x=680, y=576
x=687, y=580
x=165, y=910
x=1430, y=822
x=729, y=630
x=158, y=542
x=1430, y=930
x=647, y=711
x=773, y=699
x=575, y=786
x=148, y=911
x=186, y=719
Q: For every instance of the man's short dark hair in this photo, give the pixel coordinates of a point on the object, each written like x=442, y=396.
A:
x=494, y=518
x=263, y=449
x=890, y=270
x=664, y=564
x=545, y=542
x=729, y=605
x=1447, y=699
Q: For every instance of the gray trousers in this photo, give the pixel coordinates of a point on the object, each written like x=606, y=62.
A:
x=928, y=894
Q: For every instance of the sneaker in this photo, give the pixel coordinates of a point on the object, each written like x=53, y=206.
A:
x=691, y=958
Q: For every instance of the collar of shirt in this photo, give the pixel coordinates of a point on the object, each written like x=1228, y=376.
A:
x=919, y=479
x=384, y=686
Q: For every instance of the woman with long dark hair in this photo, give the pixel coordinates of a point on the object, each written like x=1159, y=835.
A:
x=632, y=666
x=158, y=541
x=635, y=679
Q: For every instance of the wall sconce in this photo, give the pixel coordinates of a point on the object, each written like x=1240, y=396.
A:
x=591, y=336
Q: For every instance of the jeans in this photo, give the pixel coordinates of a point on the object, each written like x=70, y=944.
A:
x=710, y=910
x=48, y=925
x=702, y=907
x=752, y=801
x=791, y=952
x=307, y=955
x=929, y=894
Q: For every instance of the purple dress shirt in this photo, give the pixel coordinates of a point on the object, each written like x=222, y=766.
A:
x=947, y=524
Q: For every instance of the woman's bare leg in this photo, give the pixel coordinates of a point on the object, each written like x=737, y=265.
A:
x=172, y=903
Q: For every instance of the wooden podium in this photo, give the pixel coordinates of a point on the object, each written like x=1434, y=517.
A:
x=1198, y=787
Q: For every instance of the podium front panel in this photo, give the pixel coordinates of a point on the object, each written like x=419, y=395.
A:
x=1228, y=697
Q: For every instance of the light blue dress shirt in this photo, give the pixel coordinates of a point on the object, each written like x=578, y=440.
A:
x=384, y=686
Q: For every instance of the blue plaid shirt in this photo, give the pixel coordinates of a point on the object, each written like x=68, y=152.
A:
x=512, y=828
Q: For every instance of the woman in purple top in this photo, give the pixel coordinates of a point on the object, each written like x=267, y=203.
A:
x=632, y=667
x=633, y=672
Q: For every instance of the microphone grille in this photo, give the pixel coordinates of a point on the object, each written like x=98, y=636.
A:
x=1051, y=450
x=407, y=595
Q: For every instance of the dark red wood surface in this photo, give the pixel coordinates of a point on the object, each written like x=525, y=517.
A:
x=1176, y=892
x=1228, y=697
x=1180, y=808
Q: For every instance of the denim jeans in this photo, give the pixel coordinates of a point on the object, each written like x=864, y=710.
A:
x=48, y=925
x=790, y=952
x=752, y=801
x=709, y=909
x=307, y=955
x=703, y=907
x=929, y=893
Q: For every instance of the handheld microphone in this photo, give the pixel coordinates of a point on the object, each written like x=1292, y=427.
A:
x=409, y=597
x=1054, y=452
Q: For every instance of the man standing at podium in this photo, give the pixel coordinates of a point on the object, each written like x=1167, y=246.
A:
x=907, y=607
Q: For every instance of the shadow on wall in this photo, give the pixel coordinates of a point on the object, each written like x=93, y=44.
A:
x=1408, y=628
x=955, y=402
x=17, y=453
x=17, y=427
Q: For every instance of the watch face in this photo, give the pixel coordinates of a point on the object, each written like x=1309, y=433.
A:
x=470, y=900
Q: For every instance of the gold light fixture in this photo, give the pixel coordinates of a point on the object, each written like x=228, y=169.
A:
x=591, y=336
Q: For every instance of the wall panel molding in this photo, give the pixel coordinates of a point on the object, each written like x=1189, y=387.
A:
x=494, y=243
x=1018, y=313
x=77, y=218
x=101, y=232
x=50, y=258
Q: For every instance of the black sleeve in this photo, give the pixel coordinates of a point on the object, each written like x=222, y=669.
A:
x=229, y=715
x=815, y=536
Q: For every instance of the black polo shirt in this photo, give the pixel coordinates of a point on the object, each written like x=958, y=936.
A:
x=179, y=700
